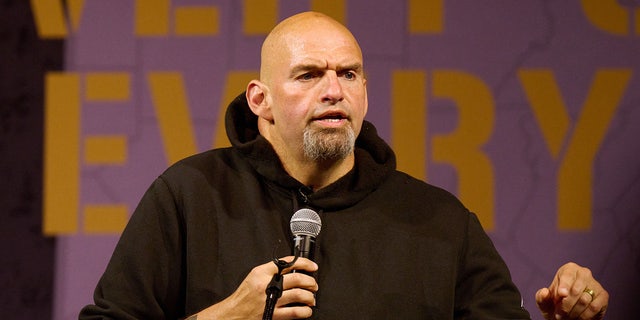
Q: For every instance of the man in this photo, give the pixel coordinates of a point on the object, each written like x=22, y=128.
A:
x=391, y=246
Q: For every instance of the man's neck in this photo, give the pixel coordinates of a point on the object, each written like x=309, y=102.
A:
x=318, y=174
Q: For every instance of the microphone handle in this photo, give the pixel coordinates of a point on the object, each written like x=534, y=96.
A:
x=304, y=246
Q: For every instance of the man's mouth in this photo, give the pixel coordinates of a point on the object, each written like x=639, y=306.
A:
x=332, y=117
x=333, y=120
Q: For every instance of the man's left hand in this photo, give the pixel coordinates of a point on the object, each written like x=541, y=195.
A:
x=573, y=294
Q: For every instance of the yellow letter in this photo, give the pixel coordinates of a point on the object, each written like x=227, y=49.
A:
x=336, y=9
x=548, y=106
x=105, y=219
x=463, y=148
x=106, y=150
x=260, y=16
x=409, y=122
x=61, y=153
x=170, y=102
x=607, y=15
x=575, y=180
x=152, y=17
x=426, y=16
x=50, y=19
x=575, y=177
x=108, y=86
x=197, y=21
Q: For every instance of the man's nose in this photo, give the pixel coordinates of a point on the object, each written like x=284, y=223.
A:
x=332, y=93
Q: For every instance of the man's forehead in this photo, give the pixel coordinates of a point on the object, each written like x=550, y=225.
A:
x=309, y=31
x=324, y=47
x=311, y=40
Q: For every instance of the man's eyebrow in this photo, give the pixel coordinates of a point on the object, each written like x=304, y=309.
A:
x=354, y=67
x=304, y=68
x=357, y=67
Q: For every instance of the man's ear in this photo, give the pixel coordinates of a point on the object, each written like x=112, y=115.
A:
x=257, y=97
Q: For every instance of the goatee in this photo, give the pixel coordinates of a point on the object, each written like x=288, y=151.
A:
x=328, y=143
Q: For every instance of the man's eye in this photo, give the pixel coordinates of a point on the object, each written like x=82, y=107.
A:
x=307, y=76
x=349, y=75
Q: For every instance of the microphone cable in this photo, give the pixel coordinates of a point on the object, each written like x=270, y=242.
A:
x=274, y=288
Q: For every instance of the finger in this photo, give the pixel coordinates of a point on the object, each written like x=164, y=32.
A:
x=304, y=264
x=297, y=296
x=559, y=287
x=299, y=280
x=545, y=302
x=566, y=282
x=542, y=295
x=580, y=306
x=560, y=290
x=292, y=312
x=598, y=306
x=571, y=283
x=578, y=300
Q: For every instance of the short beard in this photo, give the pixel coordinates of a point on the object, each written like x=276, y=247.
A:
x=328, y=144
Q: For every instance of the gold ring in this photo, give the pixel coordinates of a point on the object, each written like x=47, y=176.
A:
x=590, y=292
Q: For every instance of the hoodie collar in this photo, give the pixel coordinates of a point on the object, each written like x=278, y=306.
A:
x=374, y=160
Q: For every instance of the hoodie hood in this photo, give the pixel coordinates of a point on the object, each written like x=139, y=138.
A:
x=371, y=152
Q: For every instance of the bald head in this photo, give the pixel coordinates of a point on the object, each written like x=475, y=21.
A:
x=296, y=33
x=311, y=98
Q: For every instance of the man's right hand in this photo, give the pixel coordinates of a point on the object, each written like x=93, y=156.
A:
x=248, y=301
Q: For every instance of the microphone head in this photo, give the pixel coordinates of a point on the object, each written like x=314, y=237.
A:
x=305, y=222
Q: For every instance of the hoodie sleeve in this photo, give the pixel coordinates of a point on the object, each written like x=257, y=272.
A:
x=484, y=289
x=143, y=275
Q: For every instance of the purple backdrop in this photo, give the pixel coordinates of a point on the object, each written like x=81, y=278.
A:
x=491, y=40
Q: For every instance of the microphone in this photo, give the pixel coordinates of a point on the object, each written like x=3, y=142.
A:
x=305, y=226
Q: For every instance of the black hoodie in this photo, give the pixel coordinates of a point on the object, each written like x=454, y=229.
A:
x=391, y=246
